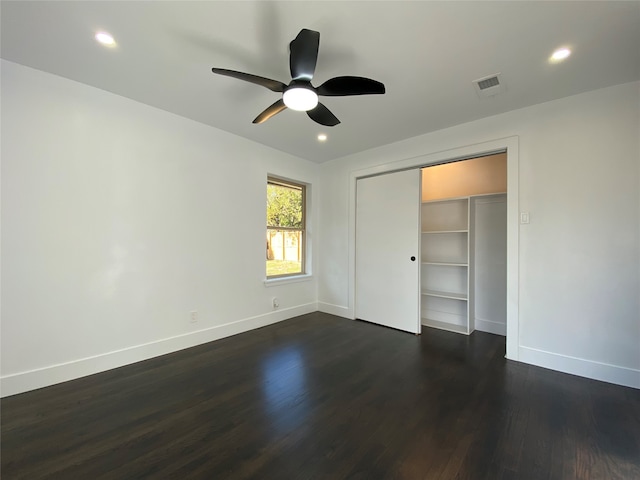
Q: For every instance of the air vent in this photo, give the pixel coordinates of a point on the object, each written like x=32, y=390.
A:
x=488, y=83
x=489, y=86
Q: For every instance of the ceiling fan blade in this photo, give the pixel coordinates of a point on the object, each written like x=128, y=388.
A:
x=269, y=112
x=273, y=85
x=323, y=116
x=304, y=54
x=345, y=86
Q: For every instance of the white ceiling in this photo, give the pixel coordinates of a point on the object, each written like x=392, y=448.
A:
x=426, y=53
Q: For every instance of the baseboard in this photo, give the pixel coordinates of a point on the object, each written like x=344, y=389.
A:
x=491, y=326
x=627, y=377
x=335, y=310
x=44, y=377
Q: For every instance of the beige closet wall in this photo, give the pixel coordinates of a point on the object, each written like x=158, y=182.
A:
x=469, y=177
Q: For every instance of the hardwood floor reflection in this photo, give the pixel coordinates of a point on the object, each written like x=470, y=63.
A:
x=320, y=397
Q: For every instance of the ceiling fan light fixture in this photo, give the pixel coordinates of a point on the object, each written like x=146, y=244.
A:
x=301, y=99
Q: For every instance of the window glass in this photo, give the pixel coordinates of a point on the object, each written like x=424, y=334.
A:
x=285, y=228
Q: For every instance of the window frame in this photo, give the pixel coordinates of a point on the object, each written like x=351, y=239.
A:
x=279, y=181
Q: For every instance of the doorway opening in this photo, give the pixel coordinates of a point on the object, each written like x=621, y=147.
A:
x=463, y=244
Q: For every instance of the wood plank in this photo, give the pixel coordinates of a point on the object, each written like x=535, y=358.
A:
x=320, y=397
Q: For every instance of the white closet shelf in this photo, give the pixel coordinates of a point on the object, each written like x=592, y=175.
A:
x=466, y=197
x=446, y=235
x=452, y=295
x=446, y=264
x=447, y=200
x=450, y=327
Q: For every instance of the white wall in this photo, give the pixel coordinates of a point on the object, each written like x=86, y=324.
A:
x=118, y=219
x=116, y=222
x=579, y=258
x=489, y=251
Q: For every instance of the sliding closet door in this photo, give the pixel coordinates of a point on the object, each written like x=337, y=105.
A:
x=387, y=250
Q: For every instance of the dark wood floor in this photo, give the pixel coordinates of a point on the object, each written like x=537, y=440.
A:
x=320, y=397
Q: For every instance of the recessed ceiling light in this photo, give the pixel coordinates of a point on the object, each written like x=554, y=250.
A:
x=560, y=54
x=322, y=137
x=105, y=39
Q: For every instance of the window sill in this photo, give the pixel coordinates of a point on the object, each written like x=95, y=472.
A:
x=272, y=282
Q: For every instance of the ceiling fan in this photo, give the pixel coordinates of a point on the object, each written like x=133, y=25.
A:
x=300, y=94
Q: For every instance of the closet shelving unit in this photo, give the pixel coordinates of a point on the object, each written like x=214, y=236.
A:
x=446, y=264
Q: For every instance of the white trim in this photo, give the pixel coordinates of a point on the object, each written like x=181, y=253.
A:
x=43, y=377
x=273, y=282
x=508, y=144
x=491, y=326
x=513, y=249
x=337, y=310
x=605, y=372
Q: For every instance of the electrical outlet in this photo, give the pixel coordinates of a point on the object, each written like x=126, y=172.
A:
x=193, y=316
x=275, y=302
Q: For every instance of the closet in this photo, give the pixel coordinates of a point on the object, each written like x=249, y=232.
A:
x=430, y=247
x=463, y=246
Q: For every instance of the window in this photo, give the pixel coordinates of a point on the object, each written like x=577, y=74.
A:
x=285, y=228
